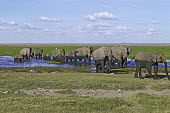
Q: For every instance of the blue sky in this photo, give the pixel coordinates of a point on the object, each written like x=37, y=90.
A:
x=84, y=21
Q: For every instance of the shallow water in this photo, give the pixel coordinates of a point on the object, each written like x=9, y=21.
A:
x=8, y=61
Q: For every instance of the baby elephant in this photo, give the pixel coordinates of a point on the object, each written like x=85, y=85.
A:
x=18, y=58
x=47, y=57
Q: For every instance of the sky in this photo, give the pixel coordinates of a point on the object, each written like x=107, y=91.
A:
x=84, y=21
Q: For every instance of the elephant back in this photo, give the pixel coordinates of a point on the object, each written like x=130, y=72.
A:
x=38, y=51
x=102, y=53
x=71, y=53
x=120, y=53
x=18, y=56
x=149, y=56
x=26, y=51
x=82, y=51
x=59, y=52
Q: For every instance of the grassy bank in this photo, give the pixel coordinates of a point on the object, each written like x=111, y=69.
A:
x=70, y=102
x=11, y=50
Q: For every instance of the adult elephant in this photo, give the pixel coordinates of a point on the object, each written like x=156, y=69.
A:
x=26, y=52
x=147, y=59
x=103, y=58
x=59, y=55
x=38, y=53
x=84, y=53
x=18, y=58
x=120, y=54
x=70, y=55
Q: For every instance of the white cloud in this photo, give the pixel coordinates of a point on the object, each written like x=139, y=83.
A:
x=42, y=18
x=101, y=15
x=10, y=23
x=103, y=30
x=121, y=28
x=31, y=26
x=146, y=33
x=107, y=6
x=155, y=22
x=5, y=28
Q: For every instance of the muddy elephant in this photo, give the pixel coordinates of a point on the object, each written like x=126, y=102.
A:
x=103, y=58
x=18, y=58
x=84, y=53
x=46, y=57
x=147, y=59
x=70, y=55
x=59, y=55
x=120, y=54
x=38, y=53
x=26, y=52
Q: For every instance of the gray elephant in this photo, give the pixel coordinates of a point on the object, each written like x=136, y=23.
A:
x=38, y=53
x=147, y=59
x=59, y=55
x=84, y=53
x=26, y=52
x=120, y=54
x=18, y=58
x=70, y=55
x=103, y=58
x=46, y=57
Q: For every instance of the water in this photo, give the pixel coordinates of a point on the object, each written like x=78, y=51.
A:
x=8, y=61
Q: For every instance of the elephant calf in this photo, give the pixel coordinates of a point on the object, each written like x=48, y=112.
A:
x=47, y=57
x=147, y=59
x=18, y=58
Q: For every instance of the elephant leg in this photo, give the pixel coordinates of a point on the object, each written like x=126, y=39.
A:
x=155, y=71
x=137, y=69
x=136, y=72
x=102, y=66
x=108, y=69
x=89, y=60
x=140, y=74
x=85, y=60
x=149, y=69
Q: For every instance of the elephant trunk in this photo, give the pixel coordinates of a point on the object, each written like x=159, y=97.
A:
x=166, y=69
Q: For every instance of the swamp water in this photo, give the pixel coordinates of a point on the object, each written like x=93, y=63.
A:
x=8, y=61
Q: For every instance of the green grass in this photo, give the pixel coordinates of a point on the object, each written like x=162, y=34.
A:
x=68, y=101
x=53, y=62
x=11, y=50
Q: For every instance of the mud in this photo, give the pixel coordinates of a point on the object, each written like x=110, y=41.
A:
x=95, y=93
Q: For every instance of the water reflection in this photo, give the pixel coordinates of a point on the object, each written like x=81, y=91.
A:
x=8, y=61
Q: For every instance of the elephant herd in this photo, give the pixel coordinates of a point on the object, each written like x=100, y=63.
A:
x=104, y=58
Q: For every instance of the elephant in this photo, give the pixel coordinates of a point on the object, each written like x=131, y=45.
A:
x=38, y=53
x=84, y=53
x=70, y=55
x=46, y=57
x=18, y=58
x=59, y=55
x=26, y=52
x=120, y=54
x=147, y=59
x=103, y=58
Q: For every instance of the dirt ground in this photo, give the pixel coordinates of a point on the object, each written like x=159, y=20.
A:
x=95, y=93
